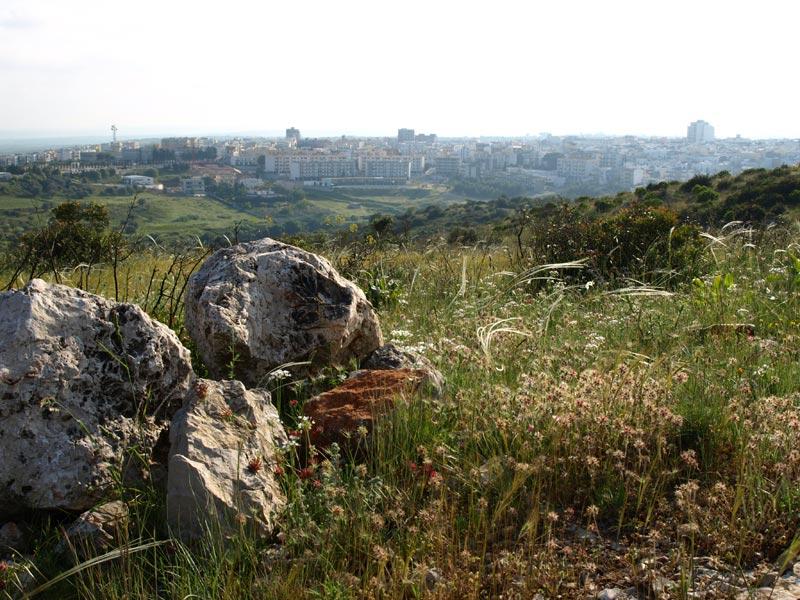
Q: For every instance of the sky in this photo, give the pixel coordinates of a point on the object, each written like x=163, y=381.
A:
x=333, y=67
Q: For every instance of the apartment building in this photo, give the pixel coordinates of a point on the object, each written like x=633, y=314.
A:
x=395, y=167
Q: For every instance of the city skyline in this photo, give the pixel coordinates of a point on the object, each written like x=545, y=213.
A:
x=358, y=68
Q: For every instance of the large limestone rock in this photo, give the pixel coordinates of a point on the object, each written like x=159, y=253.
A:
x=224, y=452
x=85, y=384
x=262, y=304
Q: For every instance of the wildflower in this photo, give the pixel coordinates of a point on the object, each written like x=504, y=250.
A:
x=304, y=423
x=689, y=458
x=293, y=402
x=362, y=431
x=377, y=522
x=201, y=389
x=305, y=473
x=337, y=511
x=552, y=516
x=279, y=375
x=254, y=466
x=592, y=511
x=361, y=470
x=681, y=377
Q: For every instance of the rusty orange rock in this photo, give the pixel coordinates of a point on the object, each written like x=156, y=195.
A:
x=338, y=413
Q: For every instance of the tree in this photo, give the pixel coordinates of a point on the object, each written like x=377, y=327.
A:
x=77, y=234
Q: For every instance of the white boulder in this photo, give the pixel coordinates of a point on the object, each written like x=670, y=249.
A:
x=224, y=452
x=256, y=306
x=86, y=385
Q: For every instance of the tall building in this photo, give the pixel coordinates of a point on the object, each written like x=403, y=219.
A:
x=293, y=133
x=699, y=132
x=405, y=135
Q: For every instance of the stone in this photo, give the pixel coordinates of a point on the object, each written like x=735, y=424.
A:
x=97, y=530
x=12, y=538
x=254, y=307
x=771, y=593
x=390, y=356
x=611, y=594
x=86, y=387
x=338, y=414
x=433, y=577
x=617, y=594
x=222, y=462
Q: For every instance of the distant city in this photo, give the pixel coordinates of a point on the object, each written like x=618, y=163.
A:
x=530, y=165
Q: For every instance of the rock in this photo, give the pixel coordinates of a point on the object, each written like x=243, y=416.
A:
x=433, y=577
x=263, y=304
x=796, y=569
x=97, y=531
x=12, y=538
x=86, y=384
x=390, y=356
x=617, y=594
x=222, y=461
x=337, y=414
x=769, y=593
x=611, y=594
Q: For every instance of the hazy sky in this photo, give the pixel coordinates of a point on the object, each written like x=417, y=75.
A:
x=346, y=66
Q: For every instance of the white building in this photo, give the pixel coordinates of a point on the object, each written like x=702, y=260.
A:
x=699, y=132
x=396, y=167
x=137, y=180
x=305, y=167
x=193, y=186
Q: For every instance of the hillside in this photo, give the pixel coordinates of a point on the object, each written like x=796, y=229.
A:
x=756, y=196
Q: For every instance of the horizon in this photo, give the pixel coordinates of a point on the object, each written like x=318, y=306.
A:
x=33, y=141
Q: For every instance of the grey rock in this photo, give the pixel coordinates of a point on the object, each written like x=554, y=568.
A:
x=97, y=530
x=611, y=594
x=86, y=384
x=12, y=538
x=770, y=593
x=617, y=594
x=433, y=577
x=259, y=305
x=224, y=451
x=390, y=356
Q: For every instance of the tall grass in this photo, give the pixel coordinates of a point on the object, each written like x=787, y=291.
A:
x=588, y=436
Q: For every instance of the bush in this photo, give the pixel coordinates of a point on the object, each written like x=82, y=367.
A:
x=639, y=241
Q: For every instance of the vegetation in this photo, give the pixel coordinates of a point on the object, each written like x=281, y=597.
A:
x=614, y=414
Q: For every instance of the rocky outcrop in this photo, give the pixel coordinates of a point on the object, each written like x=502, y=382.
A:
x=390, y=356
x=85, y=385
x=346, y=413
x=256, y=306
x=222, y=462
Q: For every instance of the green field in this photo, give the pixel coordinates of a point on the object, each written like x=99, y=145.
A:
x=181, y=218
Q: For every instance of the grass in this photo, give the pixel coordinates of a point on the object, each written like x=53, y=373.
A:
x=588, y=438
x=177, y=219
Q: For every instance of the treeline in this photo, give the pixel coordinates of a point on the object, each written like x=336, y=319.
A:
x=49, y=182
